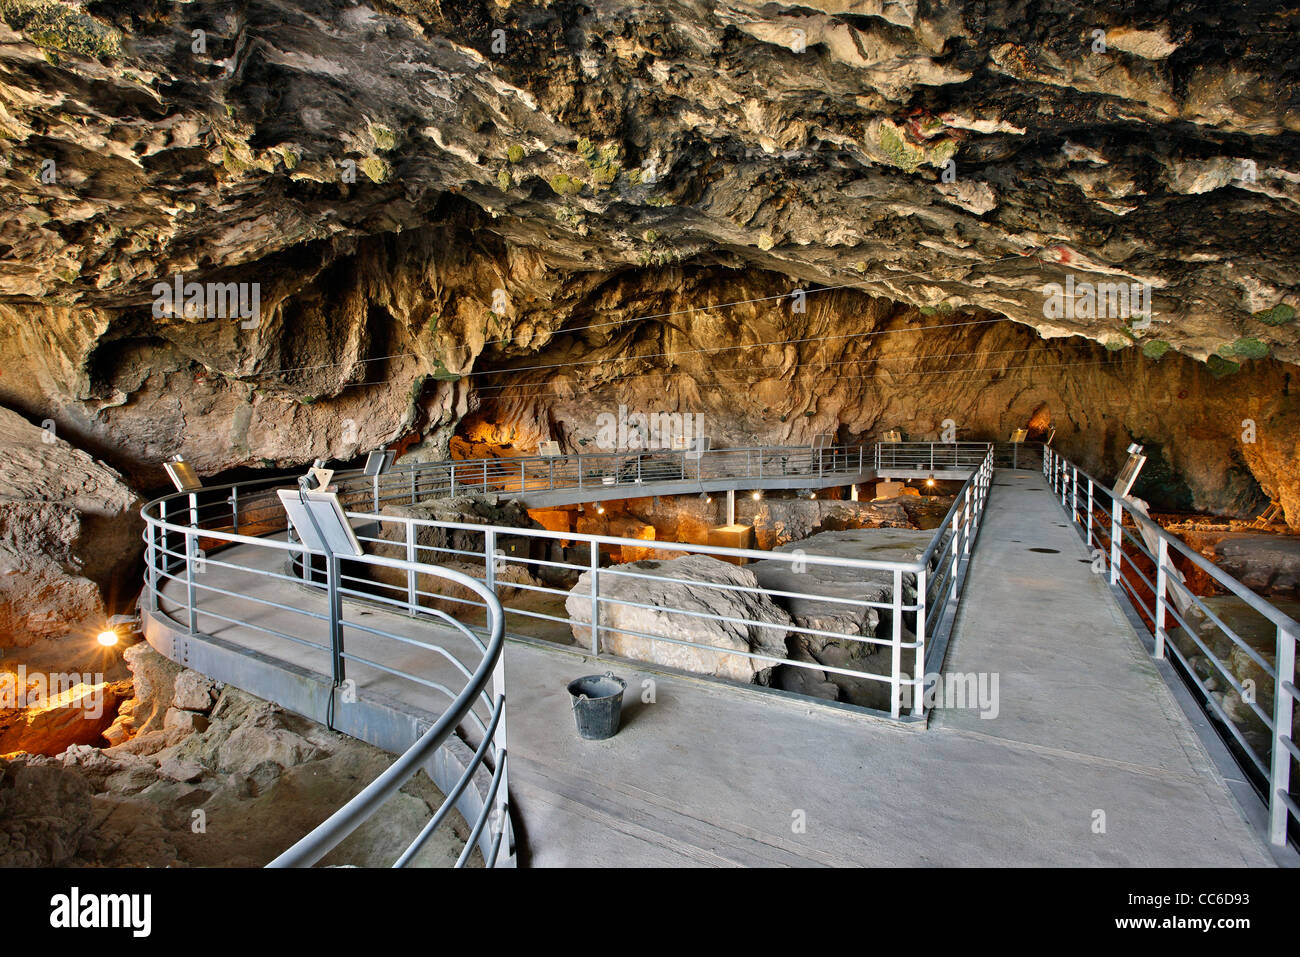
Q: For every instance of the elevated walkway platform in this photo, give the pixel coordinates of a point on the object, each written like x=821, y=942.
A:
x=710, y=774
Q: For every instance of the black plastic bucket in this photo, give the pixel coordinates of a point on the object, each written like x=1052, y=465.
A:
x=597, y=705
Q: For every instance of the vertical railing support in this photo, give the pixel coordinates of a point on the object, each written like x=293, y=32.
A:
x=234, y=508
x=1091, y=518
x=595, y=598
x=896, y=667
x=918, y=664
x=333, y=566
x=1116, y=533
x=453, y=478
x=1162, y=583
x=191, y=551
x=490, y=559
x=412, y=474
x=965, y=520
x=1074, y=493
x=412, y=599
x=153, y=532
x=1283, y=707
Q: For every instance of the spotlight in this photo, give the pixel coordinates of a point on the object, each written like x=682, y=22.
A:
x=757, y=496
x=107, y=638
x=812, y=495
x=600, y=509
x=930, y=481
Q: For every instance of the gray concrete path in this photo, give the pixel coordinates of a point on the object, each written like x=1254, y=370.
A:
x=713, y=775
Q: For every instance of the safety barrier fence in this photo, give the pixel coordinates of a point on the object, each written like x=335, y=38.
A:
x=208, y=579
x=1249, y=690
x=885, y=619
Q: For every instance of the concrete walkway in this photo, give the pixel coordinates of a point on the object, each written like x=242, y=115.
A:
x=707, y=774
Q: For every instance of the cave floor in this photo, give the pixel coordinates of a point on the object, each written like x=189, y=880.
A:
x=710, y=774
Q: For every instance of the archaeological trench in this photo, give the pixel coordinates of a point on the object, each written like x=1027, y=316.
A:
x=475, y=227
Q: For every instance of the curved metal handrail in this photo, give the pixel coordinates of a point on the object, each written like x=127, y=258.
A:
x=357, y=811
x=491, y=750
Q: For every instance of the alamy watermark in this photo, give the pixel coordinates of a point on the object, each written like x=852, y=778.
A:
x=962, y=691
x=212, y=300
x=648, y=430
x=1102, y=300
x=37, y=690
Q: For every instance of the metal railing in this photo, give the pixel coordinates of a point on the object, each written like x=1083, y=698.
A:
x=200, y=575
x=599, y=470
x=896, y=626
x=930, y=456
x=1142, y=559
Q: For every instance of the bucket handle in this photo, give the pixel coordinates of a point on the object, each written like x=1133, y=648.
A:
x=583, y=697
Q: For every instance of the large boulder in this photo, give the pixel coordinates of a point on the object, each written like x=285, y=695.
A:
x=69, y=531
x=667, y=599
x=823, y=591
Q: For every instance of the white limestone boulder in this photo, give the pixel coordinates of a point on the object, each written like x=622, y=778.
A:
x=764, y=634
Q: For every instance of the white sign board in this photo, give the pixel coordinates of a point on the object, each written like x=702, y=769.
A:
x=320, y=522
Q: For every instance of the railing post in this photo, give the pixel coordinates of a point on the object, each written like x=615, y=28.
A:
x=1074, y=494
x=190, y=543
x=967, y=523
x=956, y=552
x=332, y=567
x=595, y=598
x=485, y=461
x=234, y=508
x=918, y=664
x=501, y=810
x=896, y=667
x=1283, y=707
x=1090, y=515
x=412, y=599
x=412, y=474
x=490, y=558
x=523, y=478
x=453, y=477
x=1116, y=526
x=154, y=555
x=1162, y=582
x=376, y=493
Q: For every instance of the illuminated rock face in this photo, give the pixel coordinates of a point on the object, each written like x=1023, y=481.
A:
x=427, y=196
x=68, y=528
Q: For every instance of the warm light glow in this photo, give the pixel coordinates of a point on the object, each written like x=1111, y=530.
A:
x=107, y=638
x=812, y=495
x=600, y=510
x=757, y=496
x=930, y=482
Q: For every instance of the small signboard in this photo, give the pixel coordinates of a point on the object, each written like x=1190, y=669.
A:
x=549, y=450
x=1129, y=473
x=379, y=461
x=183, y=475
x=893, y=435
x=320, y=521
x=1019, y=435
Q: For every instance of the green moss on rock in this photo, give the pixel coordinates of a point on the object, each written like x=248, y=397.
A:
x=1155, y=349
x=565, y=185
x=385, y=139
x=1279, y=315
x=375, y=168
x=515, y=153
x=1249, y=348
x=1220, y=367
x=64, y=27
